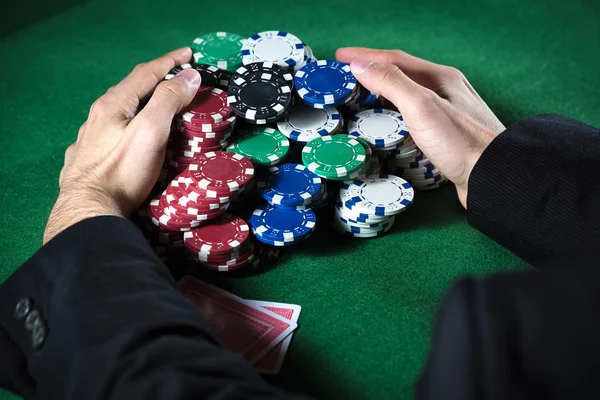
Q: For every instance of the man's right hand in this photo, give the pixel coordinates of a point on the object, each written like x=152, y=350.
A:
x=445, y=116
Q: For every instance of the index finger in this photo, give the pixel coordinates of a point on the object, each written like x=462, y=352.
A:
x=419, y=70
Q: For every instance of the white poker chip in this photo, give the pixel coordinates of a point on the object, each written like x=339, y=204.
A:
x=379, y=195
x=281, y=48
x=304, y=124
x=379, y=127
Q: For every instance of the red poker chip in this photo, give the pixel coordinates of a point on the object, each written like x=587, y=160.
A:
x=191, y=213
x=211, y=194
x=221, y=171
x=222, y=195
x=227, y=123
x=224, y=258
x=207, y=107
x=192, y=194
x=229, y=267
x=223, y=235
x=178, y=141
x=198, y=139
x=162, y=220
x=191, y=151
x=172, y=199
x=192, y=216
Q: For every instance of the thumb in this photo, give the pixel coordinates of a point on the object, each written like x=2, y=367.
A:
x=168, y=99
x=390, y=82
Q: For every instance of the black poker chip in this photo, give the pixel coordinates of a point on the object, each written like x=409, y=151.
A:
x=209, y=75
x=258, y=94
x=267, y=68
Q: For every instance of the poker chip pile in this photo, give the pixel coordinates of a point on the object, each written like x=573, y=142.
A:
x=278, y=110
x=385, y=131
x=262, y=145
x=292, y=192
x=367, y=207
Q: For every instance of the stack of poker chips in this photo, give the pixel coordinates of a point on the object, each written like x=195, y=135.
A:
x=337, y=157
x=209, y=74
x=219, y=49
x=326, y=84
x=262, y=145
x=205, y=125
x=365, y=100
x=367, y=208
x=303, y=123
x=202, y=191
x=309, y=57
x=386, y=132
x=222, y=245
x=191, y=210
x=409, y=162
x=292, y=193
x=260, y=92
x=276, y=47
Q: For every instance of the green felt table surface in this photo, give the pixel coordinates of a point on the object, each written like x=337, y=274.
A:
x=368, y=306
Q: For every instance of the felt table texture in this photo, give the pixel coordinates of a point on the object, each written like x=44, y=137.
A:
x=368, y=305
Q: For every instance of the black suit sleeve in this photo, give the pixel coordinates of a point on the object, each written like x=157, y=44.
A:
x=533, y=335
x=114, y=325
x=536, y=191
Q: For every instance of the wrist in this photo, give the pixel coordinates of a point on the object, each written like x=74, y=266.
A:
x=73, y=206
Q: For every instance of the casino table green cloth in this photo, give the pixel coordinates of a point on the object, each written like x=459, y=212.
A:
x=368, y=305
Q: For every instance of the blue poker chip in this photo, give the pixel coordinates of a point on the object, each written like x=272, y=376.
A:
x=370, y=99
x=279, y=243
x=289, y=185
x=319, y=200
x=361, y=225
x=359, y=218
x=360, y=229
x=338, y=103
x=277, y=224
x=325, y=82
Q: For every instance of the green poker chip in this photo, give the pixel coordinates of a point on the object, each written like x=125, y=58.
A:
x=263, y=146
x=336, y=157
x=361, y=172
x=221, y=49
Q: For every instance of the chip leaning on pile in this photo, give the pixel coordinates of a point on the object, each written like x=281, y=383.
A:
x=251, y=147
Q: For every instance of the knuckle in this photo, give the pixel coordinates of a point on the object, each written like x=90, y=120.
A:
x=81, y=129
x=427, y=100
x=170, y=89
x=453, y=74
x=392, y=75
x=99, y=106
x=71, y=148
x=140, y=67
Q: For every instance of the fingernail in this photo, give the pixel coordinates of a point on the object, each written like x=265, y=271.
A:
x=359, y=65
x=191, y=76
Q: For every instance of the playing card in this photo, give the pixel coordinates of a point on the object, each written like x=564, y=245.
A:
x=244, y=329
x=271, y=362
